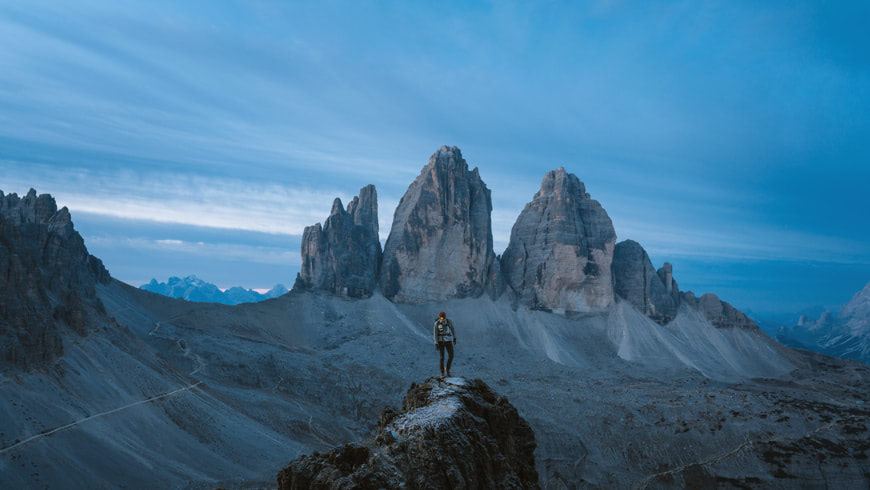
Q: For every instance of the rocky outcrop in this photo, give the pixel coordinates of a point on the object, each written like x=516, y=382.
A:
x=344, y=255
x=720, y=313
x=448, y=434
x=654, y=293
x=561, y=249
x=440, y=244
x=47, y=279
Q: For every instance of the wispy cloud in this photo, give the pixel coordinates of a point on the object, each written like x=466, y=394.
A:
x=668, y=240
x=177, y=197
x=216, y=251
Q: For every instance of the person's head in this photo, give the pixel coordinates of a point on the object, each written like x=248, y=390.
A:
x=442, y=315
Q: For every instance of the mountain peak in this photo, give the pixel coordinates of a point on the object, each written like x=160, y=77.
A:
x=48, y=282
x=440, y=244
x=337, y=207
x=561, y=248
x=635, y=280
x=343, y=256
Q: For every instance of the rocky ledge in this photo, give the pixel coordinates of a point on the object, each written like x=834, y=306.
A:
x=450, y=433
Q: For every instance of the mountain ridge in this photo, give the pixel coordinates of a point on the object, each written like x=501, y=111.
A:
x=192, y=288
x=844, y=333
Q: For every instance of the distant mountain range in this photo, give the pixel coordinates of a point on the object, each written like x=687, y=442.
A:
x=845, y=333
x=192, y=288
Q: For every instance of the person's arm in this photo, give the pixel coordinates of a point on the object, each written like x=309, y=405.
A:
x=453, y=331
x=435, y=333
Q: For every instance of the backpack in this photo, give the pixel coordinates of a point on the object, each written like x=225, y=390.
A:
x=445, y=333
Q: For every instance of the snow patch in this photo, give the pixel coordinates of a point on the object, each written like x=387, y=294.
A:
x=431, y=416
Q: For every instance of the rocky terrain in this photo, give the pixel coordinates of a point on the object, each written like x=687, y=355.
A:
x=47, y=280
x=449, y=433
x=192, y=288
x=344, y=255
x=165, y=393
x=440, y=244
x=719, y=312
x=561, y=249
x=845, y=333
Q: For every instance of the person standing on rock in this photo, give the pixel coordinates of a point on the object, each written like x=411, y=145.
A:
x=445, y=339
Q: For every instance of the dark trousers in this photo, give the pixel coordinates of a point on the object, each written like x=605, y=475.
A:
x=448, y=346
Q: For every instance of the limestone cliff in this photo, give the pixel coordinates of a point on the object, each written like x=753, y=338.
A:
x=47, y=279
x=561, y=249
x=440, y=244
x=343, y=256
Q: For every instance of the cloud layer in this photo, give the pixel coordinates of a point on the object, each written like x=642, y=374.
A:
x=715, y=132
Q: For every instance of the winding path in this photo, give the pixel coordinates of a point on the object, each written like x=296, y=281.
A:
x=97, y=415
x=200, y=364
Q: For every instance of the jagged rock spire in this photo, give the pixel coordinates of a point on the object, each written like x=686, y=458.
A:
x=343, y=256
x=561, y=248
x=654, y=293
x=440, y=244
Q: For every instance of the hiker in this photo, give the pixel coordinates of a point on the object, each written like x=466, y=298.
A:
x=445, y=339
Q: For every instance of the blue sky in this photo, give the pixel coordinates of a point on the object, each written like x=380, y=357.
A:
x=201, y=137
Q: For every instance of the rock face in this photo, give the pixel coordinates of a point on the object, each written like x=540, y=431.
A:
x=440, y=244
x=561, y=249
x=449, y=434
x=845, y=334
x=856, y=313
x=344, y=255
x=655, y=293
x=720, y=313
x=47, y=279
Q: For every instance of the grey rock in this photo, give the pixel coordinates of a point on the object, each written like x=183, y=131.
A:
x=440, y=244
x=635, y=280
x=449, y=434
x=856, y=313
x=343, y=256
x=561, y=249
x=843, y=334
x=47, y=280
x=720, y=313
